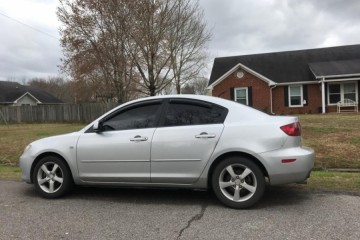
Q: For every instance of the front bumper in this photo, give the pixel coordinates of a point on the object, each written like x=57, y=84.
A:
x=292, y=172
x=25, y=165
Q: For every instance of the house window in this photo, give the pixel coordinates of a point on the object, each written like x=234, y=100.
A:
x=241, y=95
x=334, y=93
x=350, y=91
x=339, y=91
x=295, y=96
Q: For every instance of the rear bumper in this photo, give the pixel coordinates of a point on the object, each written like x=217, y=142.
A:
x=293, y=172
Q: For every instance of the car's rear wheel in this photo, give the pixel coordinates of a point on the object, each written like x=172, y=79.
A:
x=238, y=182
x=52, y=177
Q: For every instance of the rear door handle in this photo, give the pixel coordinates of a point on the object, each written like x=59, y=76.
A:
x=138, y=138
x=205, y=135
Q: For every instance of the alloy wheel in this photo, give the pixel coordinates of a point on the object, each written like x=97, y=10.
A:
x=237, y=182
x=50, y=177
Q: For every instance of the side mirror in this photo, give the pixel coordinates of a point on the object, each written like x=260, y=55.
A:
x=97, y=127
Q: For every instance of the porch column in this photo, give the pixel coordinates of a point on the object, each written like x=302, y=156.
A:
x=323, y=95
x=209, y=90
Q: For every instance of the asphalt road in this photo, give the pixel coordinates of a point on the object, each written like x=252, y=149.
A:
x=93, y=213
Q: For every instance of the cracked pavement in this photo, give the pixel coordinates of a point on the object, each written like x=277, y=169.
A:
x=197, y=217
x=115, y=213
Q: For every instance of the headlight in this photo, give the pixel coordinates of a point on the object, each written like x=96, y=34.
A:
x=27, y=148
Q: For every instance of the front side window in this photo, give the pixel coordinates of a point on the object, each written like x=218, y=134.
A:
x=339, y=91
x=295, y=96
x=181, y=114
x=241, y=95
x=133, y=118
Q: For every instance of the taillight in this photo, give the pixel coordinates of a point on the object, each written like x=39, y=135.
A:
x=292, y=129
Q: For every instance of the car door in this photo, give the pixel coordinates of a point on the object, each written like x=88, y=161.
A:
x=120, y=151
x=185, y=140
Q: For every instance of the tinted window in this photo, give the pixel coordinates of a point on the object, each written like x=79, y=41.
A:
x=134, y=118
x=180, y=114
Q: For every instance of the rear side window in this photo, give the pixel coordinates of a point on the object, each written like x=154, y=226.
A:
x=181, y=114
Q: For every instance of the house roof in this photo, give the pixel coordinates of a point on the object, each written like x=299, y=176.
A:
x=285, y=67
x=12, y=91
x=336, y=68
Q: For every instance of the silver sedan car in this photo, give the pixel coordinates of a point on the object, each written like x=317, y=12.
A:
x=180, y=141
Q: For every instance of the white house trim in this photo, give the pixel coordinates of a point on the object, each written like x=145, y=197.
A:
x=297, y=83
x=323, y=109
x=27, y=93
x=247, y=94
x=342, y=80
x=337, y=76
x=323, y=81
x=342, y=93
x=239, y=65
x=301, y=96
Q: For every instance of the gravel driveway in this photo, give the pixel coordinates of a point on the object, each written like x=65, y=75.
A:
x=92, y=213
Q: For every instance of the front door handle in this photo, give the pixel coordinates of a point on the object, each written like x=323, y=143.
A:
x=138, y=138
x=205, y=135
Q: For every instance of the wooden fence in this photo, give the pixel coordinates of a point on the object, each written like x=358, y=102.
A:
x=53, y=113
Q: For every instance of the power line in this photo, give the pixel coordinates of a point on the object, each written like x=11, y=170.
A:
x=26, y=25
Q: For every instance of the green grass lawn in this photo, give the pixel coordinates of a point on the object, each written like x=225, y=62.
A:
x=10, y=173
x=334, y=181
x=15, y=137
x=335, y=138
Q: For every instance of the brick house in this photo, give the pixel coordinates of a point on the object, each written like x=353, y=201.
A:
x=303, y=81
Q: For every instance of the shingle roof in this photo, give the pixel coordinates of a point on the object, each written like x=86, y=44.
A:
x=282, y=67
x=334, y=68
x=11, y=91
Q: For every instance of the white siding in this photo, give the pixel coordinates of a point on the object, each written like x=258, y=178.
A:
x=26, y=99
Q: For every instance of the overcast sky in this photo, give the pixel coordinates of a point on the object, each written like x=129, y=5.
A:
x=238, y=27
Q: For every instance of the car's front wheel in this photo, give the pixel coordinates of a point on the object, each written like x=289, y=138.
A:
x=238, y=182
x=52, y=177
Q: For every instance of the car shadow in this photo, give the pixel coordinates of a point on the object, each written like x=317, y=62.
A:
x=273, y=196
x=286, y=195
x=145, y=196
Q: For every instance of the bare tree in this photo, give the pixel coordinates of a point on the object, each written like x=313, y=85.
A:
x=93, y=43
x=199, y=85
x=188, y=39
x=169, y=89
x=123, y=48
x=188, y=89
x=56, y=86
x=148, y=43
x=195, y=86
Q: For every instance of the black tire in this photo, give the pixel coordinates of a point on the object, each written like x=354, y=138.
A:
x=59, y=177
x=241, y=192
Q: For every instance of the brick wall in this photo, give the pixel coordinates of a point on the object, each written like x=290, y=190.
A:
x=261, y=94
x=260, y=89
x=313, y=101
